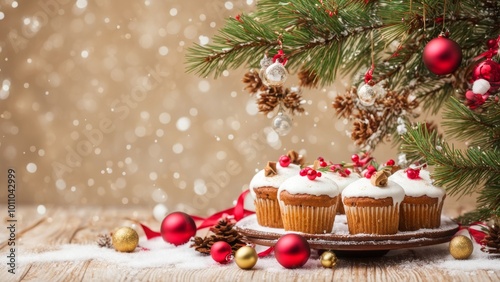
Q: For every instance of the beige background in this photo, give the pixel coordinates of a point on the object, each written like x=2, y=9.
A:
x=96, y=109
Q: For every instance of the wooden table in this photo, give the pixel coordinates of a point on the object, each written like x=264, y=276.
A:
x=81, y=225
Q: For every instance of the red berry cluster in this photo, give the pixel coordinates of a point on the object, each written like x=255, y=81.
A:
x=370, y=170
x=344, y=172
x=285, y=161
x=361, y=162
x=413, y=173
x=322, y=162
x=390, y=162
x=310, y=173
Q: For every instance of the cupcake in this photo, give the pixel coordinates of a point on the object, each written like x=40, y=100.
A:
x=342, y=178
x=308, y=202
x=264, y=188
x=372, y=205
x=423, y=202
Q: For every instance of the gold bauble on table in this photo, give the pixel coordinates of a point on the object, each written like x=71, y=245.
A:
x=461, y=247
x=246, y=257
x=125, y=239
x=328, y=259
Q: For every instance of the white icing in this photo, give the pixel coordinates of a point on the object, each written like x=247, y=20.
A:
x=261, y=180
x=303, y=185
x=364, y=188
x=418, y=187
x=341, y=181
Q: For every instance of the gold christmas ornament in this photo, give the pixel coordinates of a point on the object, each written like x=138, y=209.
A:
x=328, y=259
x=125, y=239
x=461, y=247
x=246, y=257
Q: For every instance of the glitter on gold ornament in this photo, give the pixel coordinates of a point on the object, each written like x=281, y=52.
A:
x=246, y=257
x=125, y=239
x=328, y=259
x=461, y=247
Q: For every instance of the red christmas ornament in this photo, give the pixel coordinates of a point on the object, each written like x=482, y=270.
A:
x=177, y=228
x=292, y=251
x=221, y=252
x=489, y=70
x=285, y=161
x=442, y=55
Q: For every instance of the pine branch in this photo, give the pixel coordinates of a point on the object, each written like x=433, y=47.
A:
x=461, y=172
x=479, y=129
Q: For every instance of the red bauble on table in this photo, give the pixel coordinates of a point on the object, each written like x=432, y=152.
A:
x=442, y=55
x=221, y=252
x=292, y=251
x=177, y=228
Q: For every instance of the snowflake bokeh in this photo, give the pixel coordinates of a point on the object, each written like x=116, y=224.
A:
x=96, y=108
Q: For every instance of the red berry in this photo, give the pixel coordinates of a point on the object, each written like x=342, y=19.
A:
x=285, y=161
x=318, y=173
x=321, y=159
x=368, y=174
x=390, y=162
x=371, y=168
x=355, y=158
x=311, y=174
x=347, y=172
x=303, y=172
x=322, y=164
x=413, y=173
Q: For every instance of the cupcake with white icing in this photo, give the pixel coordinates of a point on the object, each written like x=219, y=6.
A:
x=264, y=188
x=342, y=178
x=308, y=202
x=423, y=202
x=372, y=205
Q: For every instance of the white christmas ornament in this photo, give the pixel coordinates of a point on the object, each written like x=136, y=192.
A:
x=480, y=86
x=282, y=124
x=366, y=95
x=276, y=74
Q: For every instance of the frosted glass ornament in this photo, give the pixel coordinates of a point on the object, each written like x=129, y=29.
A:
x=276, y=74
x=282, y=124
x=366, y=95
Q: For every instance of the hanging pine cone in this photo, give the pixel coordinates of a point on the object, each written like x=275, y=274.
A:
x=253, y=83
x=104, y=241
x=491, y=242
x=222, y=231
x=308, y=78
x=293, y=100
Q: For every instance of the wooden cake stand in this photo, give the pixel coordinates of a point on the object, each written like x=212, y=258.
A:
x=341, y=240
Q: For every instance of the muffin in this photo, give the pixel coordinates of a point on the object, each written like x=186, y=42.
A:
x=308, y=203
x=342, y=179
x=372, y=205
x=264, y=189
x=423, y=202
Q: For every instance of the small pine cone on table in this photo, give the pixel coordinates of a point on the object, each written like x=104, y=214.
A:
x=491, y=242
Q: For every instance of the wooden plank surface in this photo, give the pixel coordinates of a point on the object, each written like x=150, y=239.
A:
x=60, y=225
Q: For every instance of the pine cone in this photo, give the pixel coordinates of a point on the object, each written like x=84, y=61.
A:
x=365, y=125
x=104, y=241
x=491, y=242
x=253, y=83
x=269, y=100
x=223, y=231
x=344, y=104
x=308, y=79
x=293, y=100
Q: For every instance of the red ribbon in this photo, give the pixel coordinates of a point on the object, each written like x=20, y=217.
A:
x=493, y=49
x=476, y=230
x=369, y=74
x=266, y=252
x=280, y=57
x=237, y=212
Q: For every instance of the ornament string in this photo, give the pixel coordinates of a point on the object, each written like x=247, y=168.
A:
x=369, y=73
x=444, y=16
